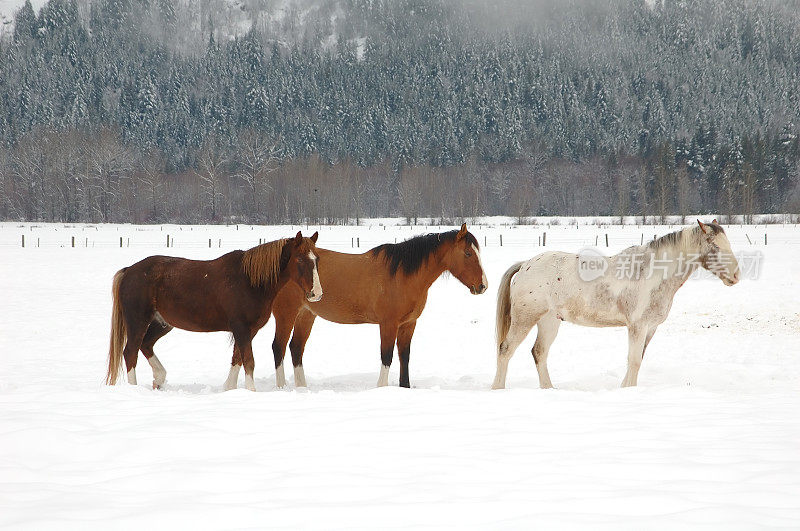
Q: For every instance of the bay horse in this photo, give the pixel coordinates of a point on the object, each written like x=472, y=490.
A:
x=232, y=293
x=554, y=287
x=387, y=285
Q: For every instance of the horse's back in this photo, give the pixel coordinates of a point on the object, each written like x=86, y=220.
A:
x=358, y=289
x=196, y=295
x=552, y=282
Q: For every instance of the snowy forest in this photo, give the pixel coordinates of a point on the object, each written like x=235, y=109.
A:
x=275, y=112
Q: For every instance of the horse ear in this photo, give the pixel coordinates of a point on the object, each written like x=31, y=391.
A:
x=715, y=221
x=463, y=231
x=702, y=226
x=315, y=236
x=298, y=239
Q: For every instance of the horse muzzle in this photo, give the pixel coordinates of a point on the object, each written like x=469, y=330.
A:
x=730, y=280
x=477, y=290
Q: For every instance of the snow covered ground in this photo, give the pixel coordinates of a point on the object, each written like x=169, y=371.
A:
x=709, y=439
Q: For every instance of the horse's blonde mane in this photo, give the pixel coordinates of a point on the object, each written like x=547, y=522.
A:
x=263, y=263
x=685, y=240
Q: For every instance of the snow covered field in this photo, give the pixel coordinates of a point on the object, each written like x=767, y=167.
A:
x=709, y=439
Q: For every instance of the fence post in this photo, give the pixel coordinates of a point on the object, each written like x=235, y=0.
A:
x=209, y=243
x=501, y=240
x=765, y=238
x=606, y=239
x=23, y=240
x=544, y=239
x=642, y=240
x=595, y=239
x=358, y=242
x=73, y=241
x=120, y=242
x=167, y=240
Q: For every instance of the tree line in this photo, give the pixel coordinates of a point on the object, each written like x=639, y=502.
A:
x=406, y=107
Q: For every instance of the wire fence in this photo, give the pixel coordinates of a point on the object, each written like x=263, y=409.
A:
x=362, y=237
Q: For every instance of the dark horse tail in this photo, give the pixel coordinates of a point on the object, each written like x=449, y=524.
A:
x=117, y=341
x=503, y=322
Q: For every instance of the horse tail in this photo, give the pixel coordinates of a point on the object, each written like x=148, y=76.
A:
x=117, y=340
x=503, y=322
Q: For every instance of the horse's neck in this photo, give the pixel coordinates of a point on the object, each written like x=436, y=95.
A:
x=432, y=269
x=673, y=263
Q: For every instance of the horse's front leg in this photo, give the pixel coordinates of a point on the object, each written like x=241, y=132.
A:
x=388, y=338
x=283, y=329
x=637, y=337
x=404, y=335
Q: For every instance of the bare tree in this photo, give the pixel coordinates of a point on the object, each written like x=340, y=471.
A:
x=256, y=156
x=410, y=194
x=29, y=164
x=682, y=192
x=109, y=162
x=151, y=166
x=6, y=185
x=210, y=169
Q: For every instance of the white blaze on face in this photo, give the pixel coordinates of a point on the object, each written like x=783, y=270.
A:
x=484, y=281
x=316, y=290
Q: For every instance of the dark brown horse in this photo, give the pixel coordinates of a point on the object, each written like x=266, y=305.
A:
x=232, y=293
x=387, y=285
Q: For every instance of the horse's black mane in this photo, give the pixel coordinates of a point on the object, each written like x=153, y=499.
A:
x=674, y=237
x=411, y=254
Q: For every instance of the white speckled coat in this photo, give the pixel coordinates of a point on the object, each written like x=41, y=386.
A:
x=634, y=288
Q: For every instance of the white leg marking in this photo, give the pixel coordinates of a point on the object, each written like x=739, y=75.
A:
x=280, y=377
x=233, y=377
x=299, y=377
x=132, y=376
x=249, y=382
x=383, y=379
x=159, y=372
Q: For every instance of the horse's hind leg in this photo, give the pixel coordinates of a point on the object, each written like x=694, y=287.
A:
x=135, y=333
x=302, y=329
x=547, y=330
x=158, y=328
x=245, y=346
x=521, y=324
x=233, y=375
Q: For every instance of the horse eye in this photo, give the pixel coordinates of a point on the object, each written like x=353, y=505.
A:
x=467, y=253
